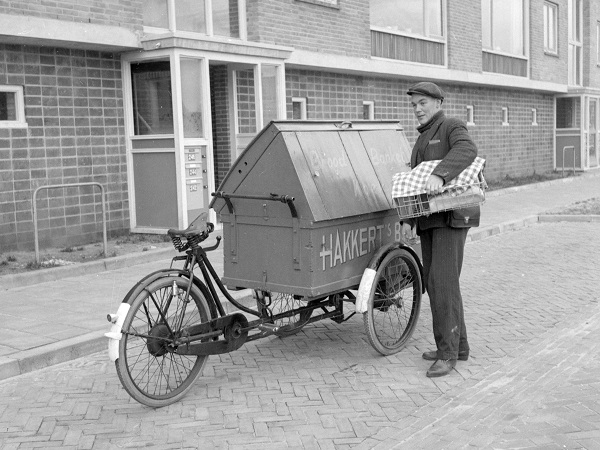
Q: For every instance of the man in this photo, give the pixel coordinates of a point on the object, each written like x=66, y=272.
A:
x=442, y=237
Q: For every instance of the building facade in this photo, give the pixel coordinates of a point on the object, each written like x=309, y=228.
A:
x=145, y=103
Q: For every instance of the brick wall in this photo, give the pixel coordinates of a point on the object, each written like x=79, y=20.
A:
x=517, y=149
x=310, y=26
x=591, y=69
x=464, y=35
x=75, y=133
x=126, y=13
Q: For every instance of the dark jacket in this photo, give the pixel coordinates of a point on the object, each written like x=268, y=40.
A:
x=447, y=139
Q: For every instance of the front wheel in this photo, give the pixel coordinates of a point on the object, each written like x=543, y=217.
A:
x=394, y=302
x=148, y=366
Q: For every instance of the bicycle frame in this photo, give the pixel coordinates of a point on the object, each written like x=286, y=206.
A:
x=199, y=339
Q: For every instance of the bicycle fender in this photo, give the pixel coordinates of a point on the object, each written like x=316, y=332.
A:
x=366, y=282
x=140, y=285
x=114, y=336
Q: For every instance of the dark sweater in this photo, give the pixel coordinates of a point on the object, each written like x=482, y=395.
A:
x=447, y=139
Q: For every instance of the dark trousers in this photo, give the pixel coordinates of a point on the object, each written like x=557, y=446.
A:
x=443, y=250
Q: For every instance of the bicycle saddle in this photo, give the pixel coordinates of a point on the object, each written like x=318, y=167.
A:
x=199, y=226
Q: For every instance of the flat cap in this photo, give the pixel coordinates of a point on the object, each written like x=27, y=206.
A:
x=427, y=88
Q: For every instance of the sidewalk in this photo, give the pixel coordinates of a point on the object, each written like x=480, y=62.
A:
x=62, y=315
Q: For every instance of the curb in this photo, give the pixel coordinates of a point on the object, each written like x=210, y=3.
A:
x=101, y=265
x=66, y=350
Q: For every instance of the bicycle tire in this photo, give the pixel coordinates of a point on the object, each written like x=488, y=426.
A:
x=394, y=303
x=148, y=369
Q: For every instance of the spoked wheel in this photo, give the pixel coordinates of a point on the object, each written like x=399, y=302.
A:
x=394, y=303
x=272, y=303
x=148, y=367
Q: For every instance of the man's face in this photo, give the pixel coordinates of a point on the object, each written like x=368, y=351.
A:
x=424, y=107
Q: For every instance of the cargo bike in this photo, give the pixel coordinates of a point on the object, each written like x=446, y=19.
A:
x=309, y=226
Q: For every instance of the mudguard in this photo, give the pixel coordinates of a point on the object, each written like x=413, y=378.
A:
x=366, y=282
x=114, y=336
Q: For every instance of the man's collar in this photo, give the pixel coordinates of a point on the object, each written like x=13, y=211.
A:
x=426, y=126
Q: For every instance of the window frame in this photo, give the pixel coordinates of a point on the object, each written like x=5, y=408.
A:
x=171, y=19
x=550, y=48
x=371, y=108
x=470, y=115
x=433, y=38
x=20, y=121
x=302, y=102
x=505, y=118
x=598, y=43
x=525, y=31
x=534, y=121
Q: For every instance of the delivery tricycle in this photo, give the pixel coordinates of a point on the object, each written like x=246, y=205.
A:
x=309, y=227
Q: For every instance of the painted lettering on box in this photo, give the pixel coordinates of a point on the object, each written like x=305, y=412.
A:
x=343, y=246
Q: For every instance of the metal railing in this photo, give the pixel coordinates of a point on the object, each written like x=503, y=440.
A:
x=57, y=186
x=565, y=148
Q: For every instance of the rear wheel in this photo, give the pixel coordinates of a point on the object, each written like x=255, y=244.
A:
x=394, y=303
x=272, y=303
x=148, y=367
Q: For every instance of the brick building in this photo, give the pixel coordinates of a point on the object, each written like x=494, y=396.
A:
x=153, y=99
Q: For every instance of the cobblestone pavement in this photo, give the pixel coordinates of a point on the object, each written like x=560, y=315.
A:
x=532, y=310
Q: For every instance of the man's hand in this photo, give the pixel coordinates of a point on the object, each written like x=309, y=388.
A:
x=408, y=233
x=434, y=185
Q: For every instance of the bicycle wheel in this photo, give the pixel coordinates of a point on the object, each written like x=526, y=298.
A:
x=272, y=303
x=394, y=303
x=148, y=367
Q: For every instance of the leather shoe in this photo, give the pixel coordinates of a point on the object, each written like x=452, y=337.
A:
x=432, y=356
x=441, y=367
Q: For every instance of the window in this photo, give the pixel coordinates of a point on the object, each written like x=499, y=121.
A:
x=411, y=30
x=550, y=28
x=414, y=17
x=191, y=98
x=470, y=116
x=534, y=116
x=155, y=13
x=268, y=74
x=504, y=116
x=12, y=107
x=575, y=43
x=298, y=108
x=503, y=23
x=369, y=110
x=210, y=17
x=152, y=101
x=598, y=43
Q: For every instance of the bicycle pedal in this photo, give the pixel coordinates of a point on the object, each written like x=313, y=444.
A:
x=268, y=327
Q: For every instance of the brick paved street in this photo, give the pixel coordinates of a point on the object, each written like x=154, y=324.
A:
x=532, y=310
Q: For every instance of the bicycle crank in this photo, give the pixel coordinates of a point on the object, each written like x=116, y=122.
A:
x=233, y=327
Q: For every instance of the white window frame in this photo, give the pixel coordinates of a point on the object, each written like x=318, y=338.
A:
x=20, y=122
x=551, y=25
x=209, y=22
x=425, y=37
x=371, y=108
x=525, y=54
x=575, y=71
x=534, y=121
x=598, y=43
x=470, y=115
x=302, y=102
x=505, y=122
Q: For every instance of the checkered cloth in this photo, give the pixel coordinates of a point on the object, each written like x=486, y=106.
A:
x=413, y=183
